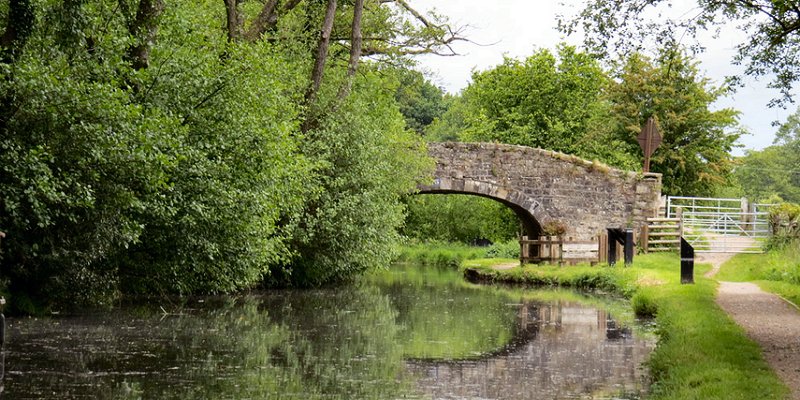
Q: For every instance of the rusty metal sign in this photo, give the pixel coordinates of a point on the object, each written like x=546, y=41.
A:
x=649, y=140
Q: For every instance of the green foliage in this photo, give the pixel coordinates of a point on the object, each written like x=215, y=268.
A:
x=80, y=163
x=548, y=101
x=452, y=124
x=581, y=277
x=187, y=172
x=769, y=172
x=784, y=219
x=419, y=100
x=644, y=304
x=694, y=156
x=508, y=249
x=439, y=254
x=769, y=48
x=458, y=218
x=773, y=171
x=365, y=161
x=239, y=172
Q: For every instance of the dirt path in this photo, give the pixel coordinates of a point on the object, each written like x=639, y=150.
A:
x=769, y=320
x=772, y=322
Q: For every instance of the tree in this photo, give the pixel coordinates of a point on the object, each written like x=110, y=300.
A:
x=773, y=171
x=772, y=27
x=420, y=101
x=550, y=101
x=365, y=161
x=118, y=176
x=167, y=147
x=769, y=173
x=694, y=156
x=544, y=101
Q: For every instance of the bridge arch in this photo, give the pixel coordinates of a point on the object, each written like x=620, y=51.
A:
x=544, y=187
x=531, y=225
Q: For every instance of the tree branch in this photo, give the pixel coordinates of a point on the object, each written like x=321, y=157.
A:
x=267, y=19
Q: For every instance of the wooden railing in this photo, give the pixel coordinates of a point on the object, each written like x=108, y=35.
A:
x=662, y=234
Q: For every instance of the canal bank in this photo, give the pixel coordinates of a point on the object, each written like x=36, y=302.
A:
x=701, y=352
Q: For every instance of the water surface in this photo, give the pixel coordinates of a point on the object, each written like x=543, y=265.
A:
x=407, y=333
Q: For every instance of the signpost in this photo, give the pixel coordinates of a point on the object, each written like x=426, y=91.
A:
x=649, y=140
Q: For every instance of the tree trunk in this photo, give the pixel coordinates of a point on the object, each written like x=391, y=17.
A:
x=319, y=63
x=19, y=27
x=234, y=19
x=267, y=18
x=356, y=40
x=144, y=29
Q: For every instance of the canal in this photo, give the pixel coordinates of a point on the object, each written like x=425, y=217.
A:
x=410, y=332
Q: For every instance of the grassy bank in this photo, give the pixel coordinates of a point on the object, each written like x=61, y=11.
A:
x=453, y=255
x=777, y=271
x=701, y=354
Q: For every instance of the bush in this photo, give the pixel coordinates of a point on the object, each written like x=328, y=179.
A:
x=509, y=249
x=784, y=220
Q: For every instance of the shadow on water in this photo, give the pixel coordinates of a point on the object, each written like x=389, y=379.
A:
x=407, y=333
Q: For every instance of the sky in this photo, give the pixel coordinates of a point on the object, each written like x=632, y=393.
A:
x=517, y=28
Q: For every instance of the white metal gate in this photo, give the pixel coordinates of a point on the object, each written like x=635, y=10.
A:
x=721, y=225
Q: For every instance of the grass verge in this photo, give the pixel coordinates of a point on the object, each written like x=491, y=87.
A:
x=453, y=255
x=701, y=354
x=777, y=271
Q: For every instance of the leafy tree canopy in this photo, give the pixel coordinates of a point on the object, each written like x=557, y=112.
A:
x=694, y=156
x=622, y=27
x=546, y=100
x=206, y=146
x=773, y=173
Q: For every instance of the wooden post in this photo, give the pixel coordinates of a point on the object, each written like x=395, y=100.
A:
x=645, y=238
x=602, y=246
x=524, y=250
x=541, y=247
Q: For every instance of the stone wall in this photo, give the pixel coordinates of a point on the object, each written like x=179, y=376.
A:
x=547, y=187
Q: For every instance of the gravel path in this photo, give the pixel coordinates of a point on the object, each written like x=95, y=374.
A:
x=769, y=320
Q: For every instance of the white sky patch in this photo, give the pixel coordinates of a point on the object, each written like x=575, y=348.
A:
x=516, y=28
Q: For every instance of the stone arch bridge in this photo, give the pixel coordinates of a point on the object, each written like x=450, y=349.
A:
x=545, y=187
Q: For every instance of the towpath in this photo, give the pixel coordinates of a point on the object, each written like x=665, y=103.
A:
x=769, y=320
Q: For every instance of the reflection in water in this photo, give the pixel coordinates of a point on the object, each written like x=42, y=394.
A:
x=571, y=352
x=410, y=333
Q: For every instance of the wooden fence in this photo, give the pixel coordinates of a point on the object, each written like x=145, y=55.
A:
x=661, y=234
